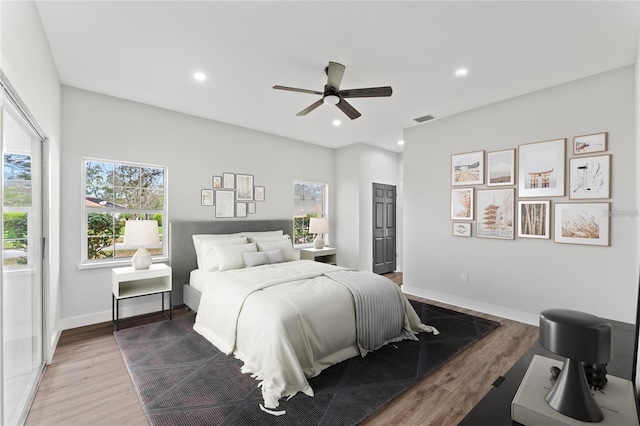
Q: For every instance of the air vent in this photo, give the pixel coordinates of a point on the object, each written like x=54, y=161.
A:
x=425, y=118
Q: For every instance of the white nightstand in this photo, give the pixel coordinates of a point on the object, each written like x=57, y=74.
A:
x=128, y=282
x=325, y=254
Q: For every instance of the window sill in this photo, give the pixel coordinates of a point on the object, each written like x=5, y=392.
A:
x=116, y=263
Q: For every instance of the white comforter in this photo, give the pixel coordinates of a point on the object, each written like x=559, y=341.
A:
x=299, y=324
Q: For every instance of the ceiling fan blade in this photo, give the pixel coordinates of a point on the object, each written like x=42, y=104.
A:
x=369, y=92
x=346, y=107
x=310, y=108
x=293, y=89
x=335, y=71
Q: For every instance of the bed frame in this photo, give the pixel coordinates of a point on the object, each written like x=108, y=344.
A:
x=182, y=254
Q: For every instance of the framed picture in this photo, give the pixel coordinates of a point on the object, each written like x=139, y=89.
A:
x=495, y=213
x=590, y=177
x=462, y=204
x=224, y=203
x=501, y=168
x=461, y=229
x=582, y=223
x=541, y=169
x=244, y=187
x=467, y=168
x=258, y=193
x=206, y=197
x=241, y=209
x=533, y=219
x=228, y=181
x=596, y=142
x=217, y=182
x=251, y=208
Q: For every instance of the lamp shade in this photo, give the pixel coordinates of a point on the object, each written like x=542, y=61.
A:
x=141, y=232
x=318, y=225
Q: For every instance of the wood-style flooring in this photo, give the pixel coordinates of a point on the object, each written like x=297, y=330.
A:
x=87, y=382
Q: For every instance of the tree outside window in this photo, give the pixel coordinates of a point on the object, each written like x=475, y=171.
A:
x=16, y=200
x=308, y=201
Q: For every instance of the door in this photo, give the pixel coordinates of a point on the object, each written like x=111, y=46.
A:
x=21, y=322
x=384, y=228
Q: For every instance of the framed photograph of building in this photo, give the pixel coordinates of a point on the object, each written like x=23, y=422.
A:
x=582, y=223
x=590, y=177
x=541, y=169
x=462, y=204
x=495, y=213
x=467, y=168
x=533, y=219
x=585, y=144
x=501, y=168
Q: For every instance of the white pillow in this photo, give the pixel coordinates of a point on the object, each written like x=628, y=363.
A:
x=260, y=239
x=262, y=234
x=257, y=258
x=230, y=257
x=285, y=245
x=198, y=238
x=209, y=258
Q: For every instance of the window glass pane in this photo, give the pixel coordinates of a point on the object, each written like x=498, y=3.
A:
x=127, y=197
x=101, y=228
x=17, y=180
x=98, y=183
x=15, y=248
x=126, y=175
x=308, y=201
x=152, y=177
x=152, y=199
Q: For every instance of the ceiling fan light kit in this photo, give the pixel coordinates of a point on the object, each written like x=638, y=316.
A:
x=332, y=94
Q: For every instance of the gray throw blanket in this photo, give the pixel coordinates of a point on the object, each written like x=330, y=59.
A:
x=380, y=309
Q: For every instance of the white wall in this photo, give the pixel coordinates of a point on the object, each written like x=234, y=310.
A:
x=27, y=62
x=194, y=150
x=358, y=166
x=518, y=279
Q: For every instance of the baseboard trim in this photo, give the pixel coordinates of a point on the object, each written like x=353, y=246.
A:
x=105, y=316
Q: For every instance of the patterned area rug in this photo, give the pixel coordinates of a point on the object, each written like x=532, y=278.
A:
x=181, y=379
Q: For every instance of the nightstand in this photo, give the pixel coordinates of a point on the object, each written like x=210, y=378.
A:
x=325, y=254
x=128, y=282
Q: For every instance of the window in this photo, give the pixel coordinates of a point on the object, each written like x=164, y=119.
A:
x=115, y=192
x=309, y=200
x=17, y=206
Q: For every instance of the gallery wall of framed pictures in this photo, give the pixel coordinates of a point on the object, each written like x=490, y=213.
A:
x=233, y=195
x=508, y=193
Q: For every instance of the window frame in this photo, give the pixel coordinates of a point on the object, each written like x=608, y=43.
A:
x=85, y=262
x=325, y=212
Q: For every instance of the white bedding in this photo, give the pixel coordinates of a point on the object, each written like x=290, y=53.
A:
x=286, y=322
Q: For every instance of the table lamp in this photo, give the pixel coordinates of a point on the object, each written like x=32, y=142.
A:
x=141, y=233
x=318, y=226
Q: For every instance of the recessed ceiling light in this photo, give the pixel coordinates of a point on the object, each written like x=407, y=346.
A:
x=199, y=76
x=400, y=142
x=461, y=72
x=337, y=122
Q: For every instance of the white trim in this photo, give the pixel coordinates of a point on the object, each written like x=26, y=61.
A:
x=105, y=316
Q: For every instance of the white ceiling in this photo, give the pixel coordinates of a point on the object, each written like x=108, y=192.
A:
x=147, y=51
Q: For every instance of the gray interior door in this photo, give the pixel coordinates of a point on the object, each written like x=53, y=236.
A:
x=384, y=228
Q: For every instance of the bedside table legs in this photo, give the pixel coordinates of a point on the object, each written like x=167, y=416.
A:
x=115, y=309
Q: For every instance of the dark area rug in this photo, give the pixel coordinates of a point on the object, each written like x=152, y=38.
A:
x=181, y=379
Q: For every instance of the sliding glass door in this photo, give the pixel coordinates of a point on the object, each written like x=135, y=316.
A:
x=22, y=291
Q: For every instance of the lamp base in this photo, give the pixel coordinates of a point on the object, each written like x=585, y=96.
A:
x=141, y=260
x=318, y=242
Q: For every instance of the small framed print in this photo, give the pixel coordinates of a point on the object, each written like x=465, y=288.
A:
x=224, y=203
x=228, y=180
x=461, y=229
x=467, y=168
x=582, y=223
x=258, y=193
x=462, y=204
x=217, y=182
x=206, y=197
x=596, y=142
x=251, y=208
x=533, y=219
x=241, y=209
x=495, y=213
x=541, y=169
x=590, y=177
x=244, y=187
x=501, y=168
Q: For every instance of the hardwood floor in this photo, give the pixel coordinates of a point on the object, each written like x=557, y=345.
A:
x=88, y=384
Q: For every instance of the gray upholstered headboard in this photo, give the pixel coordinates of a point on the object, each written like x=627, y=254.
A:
x=182, y=254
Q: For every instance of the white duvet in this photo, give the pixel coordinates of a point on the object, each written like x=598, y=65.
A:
x=286, y=322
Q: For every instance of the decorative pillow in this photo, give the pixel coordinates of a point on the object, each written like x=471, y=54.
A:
x=285, y=245
x=255, y=258
x=230, y=257
x=256, y=239
x=198, y=238
x=262, y=234
x=209, y=258
x=275, y=256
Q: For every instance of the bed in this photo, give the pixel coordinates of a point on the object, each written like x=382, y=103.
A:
x=286, y=319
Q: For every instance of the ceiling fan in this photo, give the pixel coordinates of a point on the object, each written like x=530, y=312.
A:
x=332, y=94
